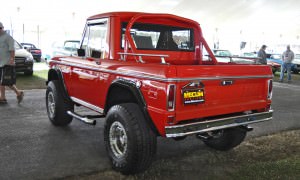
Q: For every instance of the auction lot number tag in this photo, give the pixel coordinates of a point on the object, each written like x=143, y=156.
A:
x=193, y=96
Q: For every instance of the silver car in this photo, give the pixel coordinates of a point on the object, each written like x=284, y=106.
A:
x=296, y=64
x=23, y=60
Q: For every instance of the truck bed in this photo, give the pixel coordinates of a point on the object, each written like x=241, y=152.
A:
x=227, y=89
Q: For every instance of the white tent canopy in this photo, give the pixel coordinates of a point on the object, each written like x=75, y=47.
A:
x=256, y=22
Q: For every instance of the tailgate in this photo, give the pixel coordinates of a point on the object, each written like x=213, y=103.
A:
x=221, y=89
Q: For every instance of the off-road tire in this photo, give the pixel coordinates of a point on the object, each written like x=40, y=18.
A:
x=136, y=154
x=57, y=106
x=226, y=139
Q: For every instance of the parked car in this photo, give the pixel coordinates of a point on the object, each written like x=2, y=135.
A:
x=274, y=58
x=226, y=56
x=67, y=48
x=222, y=55
x=296, y=64
x=271, y=61
x=249, y=54
x=23, y=60
x=275, y=61
x=36, y=53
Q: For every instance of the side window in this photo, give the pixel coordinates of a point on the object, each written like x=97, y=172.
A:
x=95, y=40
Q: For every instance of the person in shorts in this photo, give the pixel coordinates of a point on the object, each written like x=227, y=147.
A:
x=7, y=57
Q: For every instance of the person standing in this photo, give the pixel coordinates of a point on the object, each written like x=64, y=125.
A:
x=7, y=57
x=262, y=55
x=287, y=58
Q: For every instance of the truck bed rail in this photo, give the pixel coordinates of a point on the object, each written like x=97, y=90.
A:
x=162, y=56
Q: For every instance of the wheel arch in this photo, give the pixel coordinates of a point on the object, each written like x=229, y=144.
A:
x=53, y=74
x=56, y=74
x=130, y=93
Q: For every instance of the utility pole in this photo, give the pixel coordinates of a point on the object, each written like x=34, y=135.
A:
x=23, y=32
x=38, y=35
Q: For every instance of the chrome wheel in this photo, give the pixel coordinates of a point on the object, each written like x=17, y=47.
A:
x=51, y=104
x=129, y=141
x=118, y=139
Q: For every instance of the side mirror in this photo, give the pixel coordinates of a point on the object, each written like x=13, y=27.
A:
x=81, y=52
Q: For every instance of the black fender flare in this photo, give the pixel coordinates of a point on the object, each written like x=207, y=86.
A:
x=56, y=74
x=134, y=88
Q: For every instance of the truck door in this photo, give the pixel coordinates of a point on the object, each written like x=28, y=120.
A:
x=88, y=85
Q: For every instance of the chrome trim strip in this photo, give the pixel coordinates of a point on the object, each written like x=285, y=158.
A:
x=86, y=104
x=217, y=124
x=140, y=75
x=85, y=74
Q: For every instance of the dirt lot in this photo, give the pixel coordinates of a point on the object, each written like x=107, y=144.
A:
x=269, y=157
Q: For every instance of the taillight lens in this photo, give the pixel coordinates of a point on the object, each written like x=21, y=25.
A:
x=270, y=88
x=171, y=97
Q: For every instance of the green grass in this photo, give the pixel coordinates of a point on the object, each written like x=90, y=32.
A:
x=36, y=81
x=272, y=157
x=287, y=168
x=295, y=77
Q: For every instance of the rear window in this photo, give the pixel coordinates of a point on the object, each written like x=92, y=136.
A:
x=160, y=37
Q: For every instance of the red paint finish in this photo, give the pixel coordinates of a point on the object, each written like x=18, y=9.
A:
x=227, y=88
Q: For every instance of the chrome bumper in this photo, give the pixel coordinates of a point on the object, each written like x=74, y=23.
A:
x=217, y=124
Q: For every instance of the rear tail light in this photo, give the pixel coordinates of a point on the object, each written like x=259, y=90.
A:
x=270, y=88
x=171, y=97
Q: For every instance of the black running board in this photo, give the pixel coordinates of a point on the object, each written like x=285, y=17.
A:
x=86, y=119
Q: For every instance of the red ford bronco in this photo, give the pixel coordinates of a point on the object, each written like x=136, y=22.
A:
x=146, y=75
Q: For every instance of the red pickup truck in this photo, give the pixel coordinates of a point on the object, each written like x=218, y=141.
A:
x=146, y=75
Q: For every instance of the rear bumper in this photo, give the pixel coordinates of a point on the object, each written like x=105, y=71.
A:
x=217, y=124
